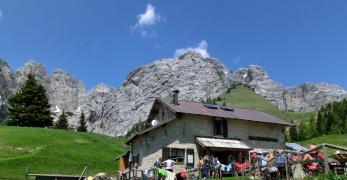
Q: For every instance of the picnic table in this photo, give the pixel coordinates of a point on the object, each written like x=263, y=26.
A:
x=340, y=165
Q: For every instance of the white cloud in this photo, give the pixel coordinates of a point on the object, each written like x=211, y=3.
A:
x=0, y=14
x=149, y=17
x=200, y=48
x=145, y=22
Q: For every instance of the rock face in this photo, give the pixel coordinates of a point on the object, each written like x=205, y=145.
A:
x=301, y=98
x=257, y=78
x=63, y=90
x=35, y=68
x=309, y=96
x=194, y=76
x=113, y=111
x=7, y=86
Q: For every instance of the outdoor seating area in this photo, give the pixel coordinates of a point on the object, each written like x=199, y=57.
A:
x=271, y=164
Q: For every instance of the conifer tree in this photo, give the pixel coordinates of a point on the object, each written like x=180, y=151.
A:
x=62, y=121
x=82, y=124
x=312, y=128
x=302, y=131
x=320, y=124
x=29, y=106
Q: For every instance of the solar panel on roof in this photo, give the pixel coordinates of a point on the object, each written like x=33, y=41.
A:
x=211, y=106
x=227, y=108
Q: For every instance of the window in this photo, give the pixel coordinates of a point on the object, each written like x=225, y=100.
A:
x=257, y=138
x=175, y=154
x=221, y=128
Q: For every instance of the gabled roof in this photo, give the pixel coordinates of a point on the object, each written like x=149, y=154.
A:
x=198, y=108
x=193, y=107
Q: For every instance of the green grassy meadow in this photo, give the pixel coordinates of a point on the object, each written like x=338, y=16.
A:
x=55, y=151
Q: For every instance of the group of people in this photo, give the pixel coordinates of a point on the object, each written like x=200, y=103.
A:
x=309, y=161
x=210, y=165
x=272, y=163
x=165, y=170
x=207, y=164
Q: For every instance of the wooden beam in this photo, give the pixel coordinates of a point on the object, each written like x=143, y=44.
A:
x=336, y=147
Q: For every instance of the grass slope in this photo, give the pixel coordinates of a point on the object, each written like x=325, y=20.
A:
x=340, y=140
x=55, y=151
x=242, y=97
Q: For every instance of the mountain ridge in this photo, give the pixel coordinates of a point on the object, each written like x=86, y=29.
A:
x=113, y=111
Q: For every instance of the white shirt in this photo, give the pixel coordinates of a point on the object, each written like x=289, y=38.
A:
x=169, y=163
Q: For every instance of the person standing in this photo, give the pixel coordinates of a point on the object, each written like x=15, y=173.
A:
x=201, y=167
x=168, y=164
x=206, y=167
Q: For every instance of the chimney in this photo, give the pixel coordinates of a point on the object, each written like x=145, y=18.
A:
x=175, y=97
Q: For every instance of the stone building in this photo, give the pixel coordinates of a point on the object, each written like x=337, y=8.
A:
x=186, y=130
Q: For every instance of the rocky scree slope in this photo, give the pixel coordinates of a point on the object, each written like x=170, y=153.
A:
x=113, y=111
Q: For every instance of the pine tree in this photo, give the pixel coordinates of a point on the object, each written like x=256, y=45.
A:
x=62, y=121
x=302, y=131
x=29, y=106
x=320, y=123
x=82, y=127
x=329, y=118
x=312, y=128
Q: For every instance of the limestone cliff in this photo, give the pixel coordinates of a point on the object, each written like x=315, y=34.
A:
x=301, y=98
x=113, y=111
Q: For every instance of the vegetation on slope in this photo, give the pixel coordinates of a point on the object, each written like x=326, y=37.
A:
x=340, y=140
x=46, y=150
x=242, y=97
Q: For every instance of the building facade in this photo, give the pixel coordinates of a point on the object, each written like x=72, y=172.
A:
x=186, y=130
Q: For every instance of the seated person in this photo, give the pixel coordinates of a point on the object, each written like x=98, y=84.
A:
x=313, y=156
x=295, y=157
x=262, y=161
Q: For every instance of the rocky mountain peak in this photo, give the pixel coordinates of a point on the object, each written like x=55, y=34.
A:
x=310, y=96
x=196, y=77
x=301, y=98
x=35, y=68
x=257, y=78
x=101, y=88
x=113, y=111
x=190, y=55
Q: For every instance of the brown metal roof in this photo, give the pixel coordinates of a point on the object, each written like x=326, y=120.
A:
x=192, y=107
x=198, y=108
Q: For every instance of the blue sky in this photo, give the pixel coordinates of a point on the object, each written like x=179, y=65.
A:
x=102, y=41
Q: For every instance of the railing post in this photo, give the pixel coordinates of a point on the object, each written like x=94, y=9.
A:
x=326, y=163
x=286, y=166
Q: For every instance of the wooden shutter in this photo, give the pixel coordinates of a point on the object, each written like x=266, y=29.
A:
x=190, y=156
x=225, y=128
x=165, y=153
